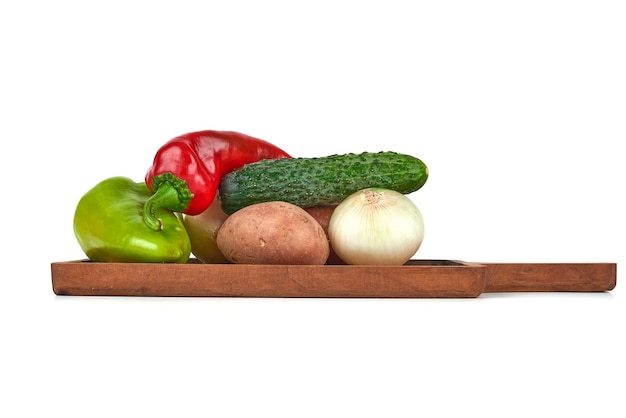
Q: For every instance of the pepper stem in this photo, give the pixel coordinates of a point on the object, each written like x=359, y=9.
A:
x=169, y=192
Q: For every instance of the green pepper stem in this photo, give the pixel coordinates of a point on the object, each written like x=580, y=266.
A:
x=168, y=192
x=166, y=196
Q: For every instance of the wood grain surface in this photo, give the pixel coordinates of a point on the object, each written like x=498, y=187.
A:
x=415, y=279
x=550, y=277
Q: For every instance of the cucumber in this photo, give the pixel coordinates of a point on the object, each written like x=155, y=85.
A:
x=319, y=181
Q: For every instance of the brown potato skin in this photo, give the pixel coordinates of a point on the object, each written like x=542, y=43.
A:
x=322, y=215
x=273, y=233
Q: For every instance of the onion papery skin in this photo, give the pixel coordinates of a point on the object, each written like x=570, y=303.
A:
x=376, y=227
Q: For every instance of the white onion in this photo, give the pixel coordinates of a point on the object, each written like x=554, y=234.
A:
x=376, y=226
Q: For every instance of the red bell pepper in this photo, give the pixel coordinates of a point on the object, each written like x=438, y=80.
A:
x=187, y=170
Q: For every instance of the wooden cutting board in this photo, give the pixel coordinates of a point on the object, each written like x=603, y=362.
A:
x=415, y=279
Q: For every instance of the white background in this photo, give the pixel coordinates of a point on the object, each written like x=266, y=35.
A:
x=517, y=107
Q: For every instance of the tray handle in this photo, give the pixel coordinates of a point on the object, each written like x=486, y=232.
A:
x=550, y=277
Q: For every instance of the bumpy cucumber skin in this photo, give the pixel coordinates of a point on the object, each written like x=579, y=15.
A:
x=319, y=181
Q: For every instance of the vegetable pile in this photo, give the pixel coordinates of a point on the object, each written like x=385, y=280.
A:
x=226, y=197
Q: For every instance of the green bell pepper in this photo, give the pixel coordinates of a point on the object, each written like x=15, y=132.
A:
x=109, y=226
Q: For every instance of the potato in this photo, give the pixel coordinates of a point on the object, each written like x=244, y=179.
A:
x=322, y=215
x=273, y=233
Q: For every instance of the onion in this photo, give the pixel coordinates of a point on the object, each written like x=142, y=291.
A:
x=376, y=226
x=202, y=230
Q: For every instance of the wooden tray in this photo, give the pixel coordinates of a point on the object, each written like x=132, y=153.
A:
x=415, y=279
